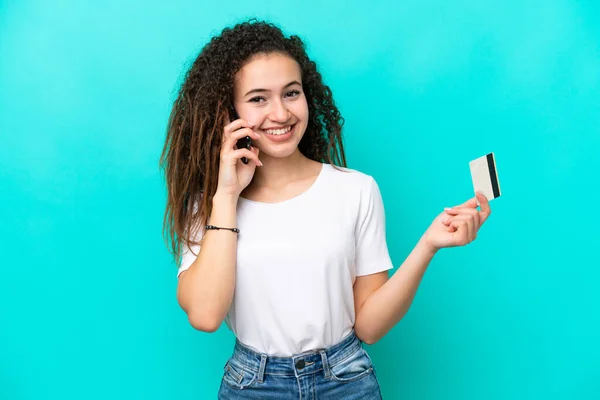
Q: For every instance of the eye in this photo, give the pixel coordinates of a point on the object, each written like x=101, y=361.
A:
x=292, y=93
x=256, y=99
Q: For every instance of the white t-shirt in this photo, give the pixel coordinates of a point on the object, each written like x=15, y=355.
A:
x=297, y=261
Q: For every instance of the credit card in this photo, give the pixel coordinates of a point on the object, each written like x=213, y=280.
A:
x=484, y=175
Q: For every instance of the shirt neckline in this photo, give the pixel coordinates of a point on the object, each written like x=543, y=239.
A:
x=299, y=196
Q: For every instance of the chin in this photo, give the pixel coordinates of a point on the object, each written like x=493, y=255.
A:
x=279, y=153
x=281, y=150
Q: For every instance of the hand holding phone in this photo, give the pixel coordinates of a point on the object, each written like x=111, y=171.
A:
x=234, y=176
x=243, y=142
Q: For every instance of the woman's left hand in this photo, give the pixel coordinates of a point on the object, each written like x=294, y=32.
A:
x=459, y=225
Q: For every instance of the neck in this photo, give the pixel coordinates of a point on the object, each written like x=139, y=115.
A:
x=278, y=172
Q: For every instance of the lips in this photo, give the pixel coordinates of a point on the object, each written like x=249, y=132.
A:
x=277, y=138
x=278, y=131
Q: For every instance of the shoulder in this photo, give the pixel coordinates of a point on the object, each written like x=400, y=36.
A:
x=354, y=191
x=351, y=178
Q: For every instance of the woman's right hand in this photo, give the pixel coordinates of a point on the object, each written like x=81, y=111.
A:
x=234, y=175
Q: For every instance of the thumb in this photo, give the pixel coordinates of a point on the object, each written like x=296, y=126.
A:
x=471, y=203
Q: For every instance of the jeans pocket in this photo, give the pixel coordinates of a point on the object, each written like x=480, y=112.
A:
x=353, y=368
x=238, y=377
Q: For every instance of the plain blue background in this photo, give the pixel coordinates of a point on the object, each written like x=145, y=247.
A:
x=87, y=287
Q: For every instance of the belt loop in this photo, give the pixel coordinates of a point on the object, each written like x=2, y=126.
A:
x=261, y=369
x=325, y=364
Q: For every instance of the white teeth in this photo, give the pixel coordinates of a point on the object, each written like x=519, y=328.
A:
x=278, y=131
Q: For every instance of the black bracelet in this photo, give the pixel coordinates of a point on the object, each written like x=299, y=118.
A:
x=212, y=227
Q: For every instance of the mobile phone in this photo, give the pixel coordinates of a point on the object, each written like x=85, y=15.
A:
x=243, y=142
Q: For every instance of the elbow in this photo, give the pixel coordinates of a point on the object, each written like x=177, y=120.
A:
x=367, y=337
x=369, y=340
x=204, y=323
x=205, y=319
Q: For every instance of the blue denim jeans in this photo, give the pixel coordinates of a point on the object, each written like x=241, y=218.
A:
x=342, y=371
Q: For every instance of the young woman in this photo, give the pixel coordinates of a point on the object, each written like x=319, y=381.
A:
x=281, y=240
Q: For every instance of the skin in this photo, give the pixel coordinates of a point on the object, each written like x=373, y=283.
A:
x=381, y=302
x=268, y=94
x=205, y=290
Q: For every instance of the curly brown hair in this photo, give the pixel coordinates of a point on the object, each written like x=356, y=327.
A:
x=191, y=153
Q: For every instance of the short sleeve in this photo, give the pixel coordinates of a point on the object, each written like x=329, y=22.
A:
x=372, y=253
x=188, y=256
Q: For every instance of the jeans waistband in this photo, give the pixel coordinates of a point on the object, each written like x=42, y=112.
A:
x=298, y=365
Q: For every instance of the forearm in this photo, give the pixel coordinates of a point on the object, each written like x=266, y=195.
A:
x=385, y=307
x=206, y=289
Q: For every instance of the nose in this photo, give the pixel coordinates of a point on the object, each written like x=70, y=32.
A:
x=279, y=113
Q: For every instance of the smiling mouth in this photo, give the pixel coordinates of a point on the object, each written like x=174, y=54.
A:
x=279, y=132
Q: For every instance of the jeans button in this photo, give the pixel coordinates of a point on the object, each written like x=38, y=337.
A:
x=300, y=364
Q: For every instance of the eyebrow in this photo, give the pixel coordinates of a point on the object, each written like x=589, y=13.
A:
x=266, y=90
